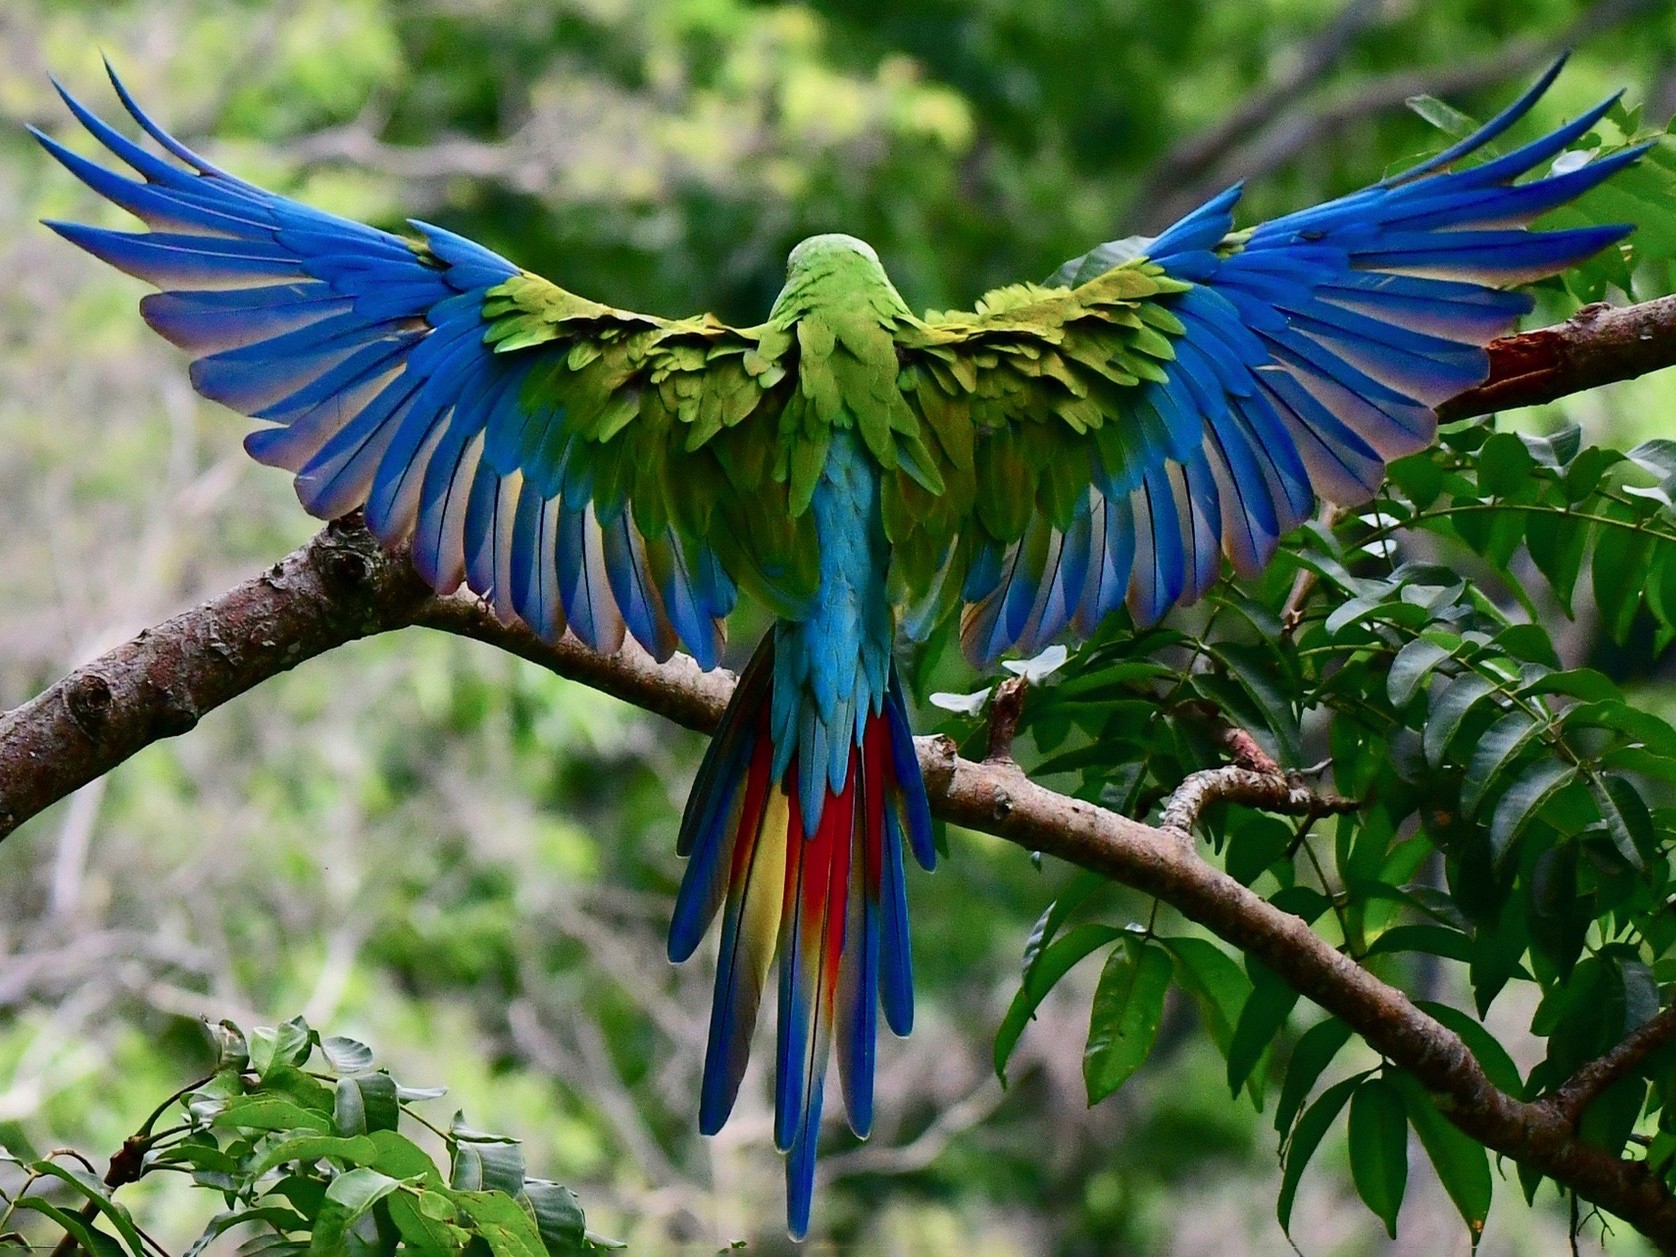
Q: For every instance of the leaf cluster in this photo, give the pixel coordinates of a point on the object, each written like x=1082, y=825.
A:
x=1515, y=821
x=303, y=1141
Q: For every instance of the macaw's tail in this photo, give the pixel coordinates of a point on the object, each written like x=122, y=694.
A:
x=829, y=904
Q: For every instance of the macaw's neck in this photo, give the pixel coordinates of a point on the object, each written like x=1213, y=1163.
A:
x=835, y=279
x=831, y=668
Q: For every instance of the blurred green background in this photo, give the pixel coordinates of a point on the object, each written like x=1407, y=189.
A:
x=469, y=863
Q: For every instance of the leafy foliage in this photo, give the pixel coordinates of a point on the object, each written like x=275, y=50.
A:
x=302, y=1139
x=1514, y=817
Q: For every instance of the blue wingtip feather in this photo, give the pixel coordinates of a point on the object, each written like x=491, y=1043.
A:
x=157, y=133
x=1489, y=131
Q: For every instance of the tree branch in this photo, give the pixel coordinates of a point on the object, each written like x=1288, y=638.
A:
x=341, y=586
x=1583, y=1088
x=1600, y=344
x=1267, y=791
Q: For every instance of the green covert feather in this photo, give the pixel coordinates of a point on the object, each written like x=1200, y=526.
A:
x=986, y=425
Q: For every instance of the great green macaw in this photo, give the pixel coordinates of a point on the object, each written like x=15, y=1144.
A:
x=1105, y=437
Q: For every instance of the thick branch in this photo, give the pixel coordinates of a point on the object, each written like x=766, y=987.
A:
x=1600, y=344
x=337, y=588
x=341, y=586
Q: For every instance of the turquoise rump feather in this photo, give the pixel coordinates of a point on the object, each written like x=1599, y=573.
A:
x=1106, y=438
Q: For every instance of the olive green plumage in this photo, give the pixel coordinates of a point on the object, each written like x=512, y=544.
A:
x=993, y=415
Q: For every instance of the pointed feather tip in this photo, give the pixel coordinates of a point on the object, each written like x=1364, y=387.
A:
x=683, y=940
x=155, y=131
x=1489, y=131
x=64, y=93
x=800, y=1175
x=713, y=1115
x=82, y=235
x=45, y=141
x=110, y=72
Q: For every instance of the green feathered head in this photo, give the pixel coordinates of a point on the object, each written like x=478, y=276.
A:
x=835, y=270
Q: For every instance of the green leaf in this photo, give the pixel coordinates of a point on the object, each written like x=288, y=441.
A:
x=356, y=1151
x=271, y=1112
x=1055, y=962
x=1504, y=464
x=1379, y=1149
x=1557, y=448
x=426, y=1222
x=558, y=1216
x=399, y=1157
x=1433, y=940
x=1419, y=478
x=485, y=1162
x=345, y=1055
x=1461, y=1162
x=1254, y=669
x=1621, y=561
x=1610, y=1117
x=99, y=1196
x=1083, y=887
x=507, y=1227
x=1215, y=981
x=348, y=1196
x=91, y=1238
x=1557, y=542
x=231, y=1051
x=1524, y=798
x=278, y=1217
x=1264, y=1013
x=1314, y=1051
x=1412, y=668
x=359, y=1189
x=1641, y=992
x=214, y=1096
x=1628, y=822
x=1306, y=1137
x=1450, y=705
x=1582, y=683
x=1128, y=1008
x=1495, y=749
x=1255, y=842
x=366, y=1102
x=271, y=1046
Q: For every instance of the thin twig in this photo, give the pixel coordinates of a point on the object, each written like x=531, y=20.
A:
x=1005, y=711
x=1268, y=792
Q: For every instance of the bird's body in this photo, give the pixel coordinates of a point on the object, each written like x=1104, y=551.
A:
x=1032, y=465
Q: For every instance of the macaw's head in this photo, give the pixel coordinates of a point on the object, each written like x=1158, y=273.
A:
x=836, y=272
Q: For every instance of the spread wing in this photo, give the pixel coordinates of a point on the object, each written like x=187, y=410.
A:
x=1162, y=403
x=576, y=465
